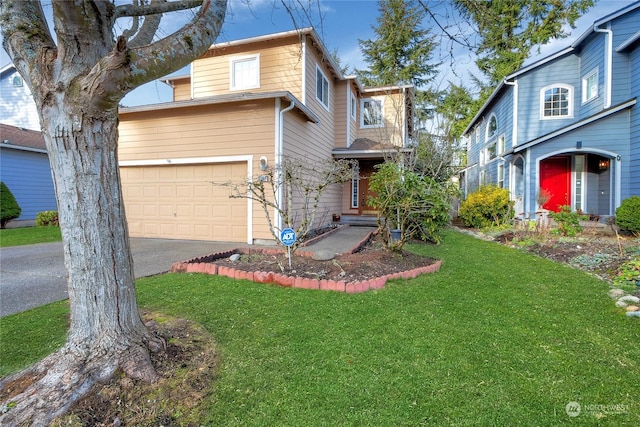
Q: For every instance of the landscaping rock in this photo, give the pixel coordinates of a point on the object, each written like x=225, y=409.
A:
x=616, y=293
x=633, y=313
x=621, y=304
x=630, y=298
x=234, y=257
x=633, y=308
x=323, y=255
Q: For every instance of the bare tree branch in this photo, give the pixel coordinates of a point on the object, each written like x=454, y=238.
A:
x=149, y=28
x=27, y=38
x=157, y=7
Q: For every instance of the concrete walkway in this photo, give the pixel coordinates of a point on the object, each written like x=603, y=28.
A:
x=34, y=275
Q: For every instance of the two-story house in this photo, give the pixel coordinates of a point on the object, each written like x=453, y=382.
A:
x=17, y=107
x=567, y=126
x=248, y=104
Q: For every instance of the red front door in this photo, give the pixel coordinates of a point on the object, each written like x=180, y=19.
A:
x=555, y=177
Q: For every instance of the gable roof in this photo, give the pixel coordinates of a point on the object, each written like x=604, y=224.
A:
x=22, y=139
x=559, y=54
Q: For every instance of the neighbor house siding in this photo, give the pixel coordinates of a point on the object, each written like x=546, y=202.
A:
x=280, y=67
x=634, y=184
x=592, y=58
x=565, y=71
x=17, y=107
x=28, y=176
x=182, y=89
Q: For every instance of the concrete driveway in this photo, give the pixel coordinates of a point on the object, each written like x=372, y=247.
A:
x=34, y=275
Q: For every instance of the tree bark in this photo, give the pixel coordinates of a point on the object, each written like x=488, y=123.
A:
x=77, y=83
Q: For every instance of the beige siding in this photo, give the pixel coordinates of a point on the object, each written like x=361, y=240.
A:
x=182, y=90
x=353, y=122
x=280, y=68
x=211, y=131
x=341, y=114
x=394, y=115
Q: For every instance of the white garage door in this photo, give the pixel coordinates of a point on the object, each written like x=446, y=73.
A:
x=180, y=201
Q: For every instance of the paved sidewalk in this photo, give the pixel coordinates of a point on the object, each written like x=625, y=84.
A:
x=341, y=241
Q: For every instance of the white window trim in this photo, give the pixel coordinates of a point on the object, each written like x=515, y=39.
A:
x=585, y=81
x=569, y=104
x=354, y=107
x=495, y=132
x=377, y=99
x=318, y=69
x=235, y=60
x=500, y=149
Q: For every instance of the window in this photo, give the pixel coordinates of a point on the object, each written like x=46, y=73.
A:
x=355, y=183
x=500, y=145
x=17, y=81
x=371, y=113
x=322, y=88
x=245, y=72
x=354, y=107
x=501, y=175
x=491, y=151
x=492, y=126
x=590, y=86
x=556, y=102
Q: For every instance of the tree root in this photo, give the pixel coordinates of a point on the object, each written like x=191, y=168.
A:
x=46, y=390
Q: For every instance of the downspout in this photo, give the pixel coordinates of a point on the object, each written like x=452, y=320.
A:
x=279, y=160
x=514, y=127
x=608, y=61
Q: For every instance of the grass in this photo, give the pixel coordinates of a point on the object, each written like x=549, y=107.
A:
x=29, y=235
x=497, y=337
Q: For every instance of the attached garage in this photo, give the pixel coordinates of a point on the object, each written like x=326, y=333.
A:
x=185, y=201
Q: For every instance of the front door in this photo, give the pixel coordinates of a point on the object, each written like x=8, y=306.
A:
x=555, y=177
x=366, y=170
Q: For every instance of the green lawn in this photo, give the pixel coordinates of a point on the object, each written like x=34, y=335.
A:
x=497, y=337
x=29, y=235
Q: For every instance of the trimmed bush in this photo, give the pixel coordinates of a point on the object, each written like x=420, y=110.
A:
x=46, y=218
x=568, y=221
x=628, y=215
x=488, y=206
x=9, y=207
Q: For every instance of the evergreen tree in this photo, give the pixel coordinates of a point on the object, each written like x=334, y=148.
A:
x=401, y=53
x=9, y=207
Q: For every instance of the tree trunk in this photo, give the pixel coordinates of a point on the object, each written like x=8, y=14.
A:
x=106, y=330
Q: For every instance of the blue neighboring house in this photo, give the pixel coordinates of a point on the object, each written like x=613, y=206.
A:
x=24, y=168
x=17, y=107
x=568, y=125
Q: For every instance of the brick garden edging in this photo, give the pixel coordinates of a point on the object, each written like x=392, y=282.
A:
x=204, y=265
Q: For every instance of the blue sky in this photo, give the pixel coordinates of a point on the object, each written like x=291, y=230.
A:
x=340, y=23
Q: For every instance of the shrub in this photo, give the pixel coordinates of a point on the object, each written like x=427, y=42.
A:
x=628, y=215
x=45, y=218
x=488, y=205
x=568, y=222
x=9, y=207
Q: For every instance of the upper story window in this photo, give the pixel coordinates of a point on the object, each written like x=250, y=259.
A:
x=354, y=106
x=492, y=126
x=371, y=113
x=500, y=148
x=16, y=81
x=322, y=87
x=556, y=102
x=590, y=86
x=245, y=72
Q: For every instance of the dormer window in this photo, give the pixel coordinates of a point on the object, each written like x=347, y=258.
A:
x=492, y=127
x=556, y=102
x=17, y=81
x=371, y=113
x=245, y=72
